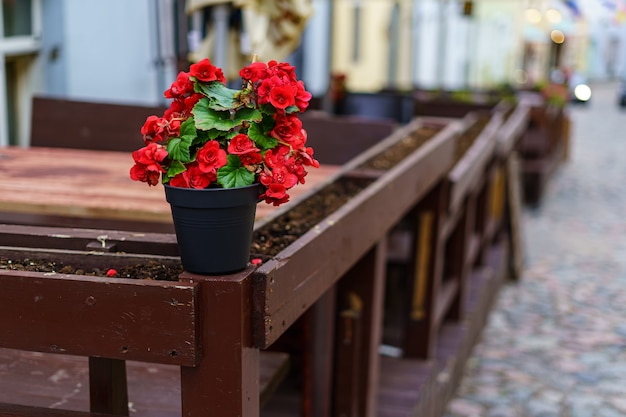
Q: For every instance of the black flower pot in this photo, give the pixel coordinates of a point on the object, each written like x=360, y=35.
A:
x=213, y=227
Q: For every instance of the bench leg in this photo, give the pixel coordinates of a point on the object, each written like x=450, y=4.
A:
x=226, y=381
x=361, y=293
x=108, y=392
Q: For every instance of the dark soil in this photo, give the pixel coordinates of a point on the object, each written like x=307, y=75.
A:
x=281, y=232
x=468, y=137
x=151, y=270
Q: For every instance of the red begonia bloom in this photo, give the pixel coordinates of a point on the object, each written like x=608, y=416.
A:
x=181, y=87
x=274, y=93
x=254, y=72
x=288, y=129
x=206, y=72
x=241, y=145
x=147, y=166
x=282, y=97
x=211, y=157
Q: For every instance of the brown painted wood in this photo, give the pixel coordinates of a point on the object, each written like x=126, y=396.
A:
x=55, y=184
x=337, y=139
x=78, y=239
x=64, y=123
x=93, y=316
x=289, y=283
x=62, y=381
x=357, y=380
x=469, y=170
x=512, y=129
x=419, y=387
x=420, y=334
x=108, y=391
x=226, y=381
x=317, y=367
x=12, y=410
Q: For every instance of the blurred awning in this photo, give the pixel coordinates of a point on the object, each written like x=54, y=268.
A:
x=271, y=29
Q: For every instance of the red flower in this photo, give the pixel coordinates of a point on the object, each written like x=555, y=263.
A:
x=206, y=72
x=303, y=97
x=282, y=96
x=181, y=87
x=211, y=157
x=271, y=89
x=147, y=166
x=241, y=145
x=153, y=130
x=193, y=177
x=288, y=129
x=254, y=72
x=275, y=194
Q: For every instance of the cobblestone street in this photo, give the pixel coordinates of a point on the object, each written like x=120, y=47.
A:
x=555, y=343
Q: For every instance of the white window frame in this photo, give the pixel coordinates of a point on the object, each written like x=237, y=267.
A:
x=16, y=46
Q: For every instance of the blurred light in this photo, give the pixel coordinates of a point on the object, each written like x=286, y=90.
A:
x=533, y=15
x=557, y=36
x=553, y=15
x=582, y=92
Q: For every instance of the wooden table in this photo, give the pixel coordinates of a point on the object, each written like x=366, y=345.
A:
x=86, y=188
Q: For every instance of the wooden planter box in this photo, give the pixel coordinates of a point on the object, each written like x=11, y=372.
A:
x=225, y=332
x=211, y=327
x=452, y=282
x=543, y=147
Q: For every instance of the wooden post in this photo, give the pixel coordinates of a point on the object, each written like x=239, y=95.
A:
x=420, y=334
x=108, y=392
x=364, y=286
x=225, y=382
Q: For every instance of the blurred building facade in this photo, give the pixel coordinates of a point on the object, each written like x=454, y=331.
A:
x=123, y=51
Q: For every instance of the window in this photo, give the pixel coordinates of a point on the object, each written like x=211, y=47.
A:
x=20, y=28
x=16, y=17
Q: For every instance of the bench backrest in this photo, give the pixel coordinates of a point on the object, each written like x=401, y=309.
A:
x=61, y=123
x=337, y=139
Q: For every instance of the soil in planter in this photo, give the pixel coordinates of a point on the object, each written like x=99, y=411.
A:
x=469, y=135
x=400, y=150
x=150, y=270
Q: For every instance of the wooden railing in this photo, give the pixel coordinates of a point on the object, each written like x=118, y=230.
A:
x=303, y=331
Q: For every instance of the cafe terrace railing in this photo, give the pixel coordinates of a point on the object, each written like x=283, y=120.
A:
x=312, y=313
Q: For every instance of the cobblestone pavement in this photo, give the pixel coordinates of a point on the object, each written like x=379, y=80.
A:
x=555, y=343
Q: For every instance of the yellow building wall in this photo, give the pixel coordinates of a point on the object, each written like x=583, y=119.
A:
x=368, y=71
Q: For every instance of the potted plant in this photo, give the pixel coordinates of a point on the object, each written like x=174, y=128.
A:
x=218, y=151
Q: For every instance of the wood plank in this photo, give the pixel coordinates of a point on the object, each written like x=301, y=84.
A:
x=469, y=171
x=161, y=244
x=11, y=410
x=512, y=129
x=117, y=318
x=51, y=385
x=93, y=184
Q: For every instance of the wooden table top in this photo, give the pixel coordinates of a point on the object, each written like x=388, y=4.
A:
x=93, y=184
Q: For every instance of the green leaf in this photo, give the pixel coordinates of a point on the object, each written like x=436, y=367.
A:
x=176, y=167
x=188, y=129
x=178, y=148
x=207, y=118
x=292, y=109
x=263, y=141
x=234, y=174
x=219, y=96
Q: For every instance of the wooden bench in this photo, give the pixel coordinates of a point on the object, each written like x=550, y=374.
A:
x=61, y=123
